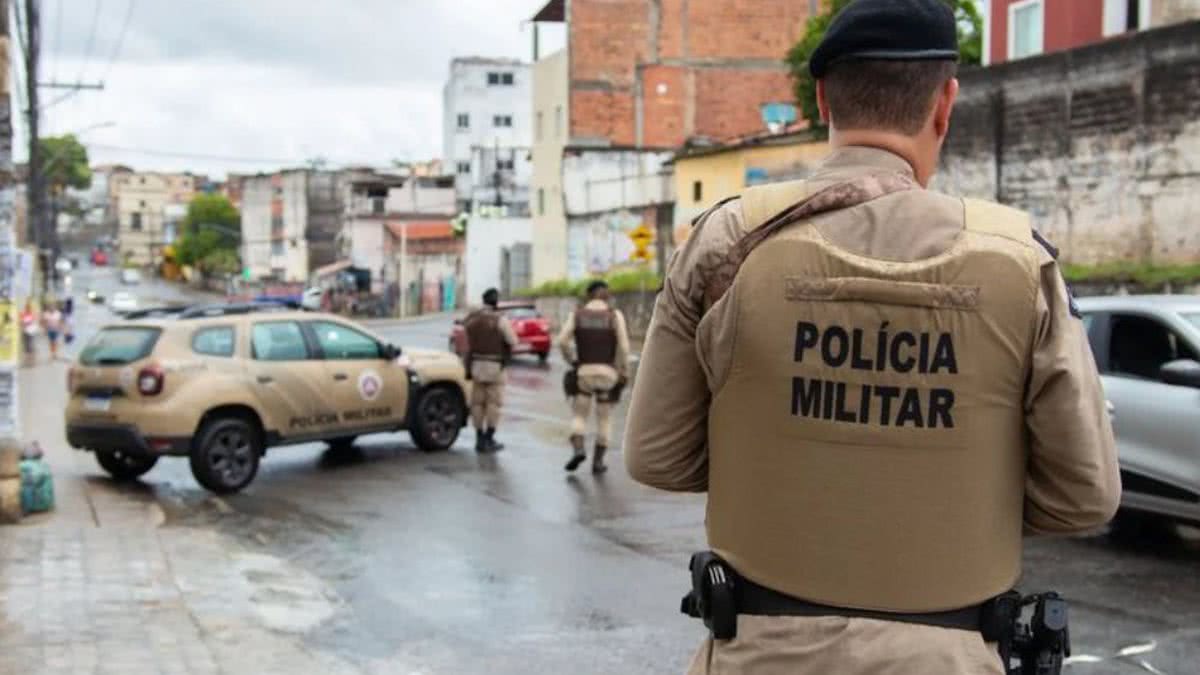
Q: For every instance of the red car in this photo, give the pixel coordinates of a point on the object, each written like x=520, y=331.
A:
x=99, y=258
x=532, y=329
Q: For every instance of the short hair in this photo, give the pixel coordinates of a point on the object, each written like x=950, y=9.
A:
x=884, y=95
x=596, y=285
x=491, y=297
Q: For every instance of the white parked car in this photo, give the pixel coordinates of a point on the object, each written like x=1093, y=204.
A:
x=122, y=302
x=130, y=276
x=311, y=299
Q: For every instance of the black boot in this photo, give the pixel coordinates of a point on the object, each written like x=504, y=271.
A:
x=492, y=444
x=598, y=465
x=480, y=441
x=579, y=455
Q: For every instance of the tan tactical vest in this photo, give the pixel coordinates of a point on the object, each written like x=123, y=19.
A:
x=595, y=336
x=483, y=335
x=867, y=447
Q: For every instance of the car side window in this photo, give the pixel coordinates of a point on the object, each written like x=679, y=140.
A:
x=278, y=341
x=215, y=341
x=1140, y=346
x=342, y=343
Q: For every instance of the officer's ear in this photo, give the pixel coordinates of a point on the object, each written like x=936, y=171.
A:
x=946, y=97
x=822, y=104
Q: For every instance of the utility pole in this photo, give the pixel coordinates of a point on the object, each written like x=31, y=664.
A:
x=33, y=186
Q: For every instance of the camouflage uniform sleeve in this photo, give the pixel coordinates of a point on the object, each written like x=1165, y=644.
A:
x=1073, y=483
x=666, y=444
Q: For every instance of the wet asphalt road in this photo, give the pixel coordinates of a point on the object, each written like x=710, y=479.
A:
x=455, y=563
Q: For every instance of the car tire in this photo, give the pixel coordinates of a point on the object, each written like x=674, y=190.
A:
x=341, y=445
x=437, y=418
x=543, y=357
x=226, y=454
x=123, y=466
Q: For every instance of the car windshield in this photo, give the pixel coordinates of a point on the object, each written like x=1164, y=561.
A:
x=119, y=346
x=522, y=313
x=1194, y=318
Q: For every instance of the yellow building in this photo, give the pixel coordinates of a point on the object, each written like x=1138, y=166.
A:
x=705, y=175
x=149, y=206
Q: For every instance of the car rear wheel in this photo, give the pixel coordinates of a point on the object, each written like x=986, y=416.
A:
x=437, y=418
x=543, y=357
x=123, y=466
x=225, y=458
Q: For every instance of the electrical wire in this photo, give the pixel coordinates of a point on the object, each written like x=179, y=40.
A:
x=91, y=41
x=120, y=40
x=194, y=155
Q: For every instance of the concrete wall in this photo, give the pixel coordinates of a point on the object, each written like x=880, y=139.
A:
x=486, y=239
x=545, y=193
x=1100, y=144
x=598, y=180
x=257, y=194
x=289, y=249
x=467, y=92
x=140, y=200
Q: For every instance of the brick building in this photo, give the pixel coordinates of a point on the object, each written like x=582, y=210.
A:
x=642, y=77
x=1015, y=29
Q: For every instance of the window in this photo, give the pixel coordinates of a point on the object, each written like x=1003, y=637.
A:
x=378, y=205
x=504, y=165
x=135, y=221
x=697, y=191
x=541, y=201
x=1139, y=346
x=537, y=127
x=343, y=343
x=493, y=79
x=502, y=120
x=463, y=168
x=558, y=122
x=216, y=341
x=464, y=121
x=1194, y=318
x=1121, y=16
x=1025, y=29
x=142, y=205
x=278, y=341
x=119, y=346
x=506, y=78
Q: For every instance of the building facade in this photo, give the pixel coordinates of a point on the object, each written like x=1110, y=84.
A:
x=1016, y=29
x=639, y=79
x=149, y=207
x=486, y=104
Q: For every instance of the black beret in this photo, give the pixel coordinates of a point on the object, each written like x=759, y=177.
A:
x=890, y=30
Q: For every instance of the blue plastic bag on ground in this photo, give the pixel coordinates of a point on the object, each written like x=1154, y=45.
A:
x=37, y=486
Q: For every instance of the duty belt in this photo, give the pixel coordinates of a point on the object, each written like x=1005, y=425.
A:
x=719, y=594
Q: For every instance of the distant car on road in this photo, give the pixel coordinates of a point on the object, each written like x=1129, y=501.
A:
x=531, y=328
x=99, y=258
x=130, y=276
x=122, y=302
x=219, y=384
x=1147, y=349
x=63, y=266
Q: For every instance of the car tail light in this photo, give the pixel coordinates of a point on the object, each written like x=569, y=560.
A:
x=150, y=381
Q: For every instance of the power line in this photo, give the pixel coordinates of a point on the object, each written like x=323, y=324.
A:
x=87, y=52
x=194, y=155
x=120, y=40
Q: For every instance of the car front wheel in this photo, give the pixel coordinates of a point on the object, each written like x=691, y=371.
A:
x=123, y=466
x=225, y=458
x=437, y=418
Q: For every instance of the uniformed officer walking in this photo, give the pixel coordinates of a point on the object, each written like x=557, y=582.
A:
x=879, y=386
x=490, y=340
x=594, y=339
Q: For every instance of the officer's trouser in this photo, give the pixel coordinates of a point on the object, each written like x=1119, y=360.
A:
x=487, y=393
x=592, y=388
x=794, y=645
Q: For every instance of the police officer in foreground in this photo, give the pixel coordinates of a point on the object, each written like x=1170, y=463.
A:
x=490, y=340
x=595, y=341
x=880, y=387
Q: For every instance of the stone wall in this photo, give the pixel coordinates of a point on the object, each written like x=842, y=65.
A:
x=1101, y=144
x=636, y=306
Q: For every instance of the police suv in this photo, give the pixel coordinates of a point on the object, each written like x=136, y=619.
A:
x=220, y=384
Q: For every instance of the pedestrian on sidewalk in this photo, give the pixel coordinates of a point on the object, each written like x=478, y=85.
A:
x=490, y=340
x=52, y=321
x=29, y=330
x=595, y=341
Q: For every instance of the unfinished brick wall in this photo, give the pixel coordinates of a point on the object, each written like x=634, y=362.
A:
x=654, y=73
x=1100, y=144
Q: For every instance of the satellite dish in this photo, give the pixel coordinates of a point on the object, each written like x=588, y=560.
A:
x=777, y=116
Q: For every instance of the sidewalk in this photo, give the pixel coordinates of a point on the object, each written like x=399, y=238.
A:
x=103, y=585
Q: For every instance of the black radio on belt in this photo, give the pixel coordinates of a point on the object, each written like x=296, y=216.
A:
x=712, y=595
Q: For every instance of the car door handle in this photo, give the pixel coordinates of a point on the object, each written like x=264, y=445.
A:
x=341, y=377
x=265, y=379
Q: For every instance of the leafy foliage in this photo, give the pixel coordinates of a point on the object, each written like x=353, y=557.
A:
x=619, y=281
x=970, y=47
x=65, y=162
x=212, y=209
x=1141, y=274
x=210, y=235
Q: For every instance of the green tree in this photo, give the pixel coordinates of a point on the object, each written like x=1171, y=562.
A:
x=210, y=234
x=65, y=163
x=970, y=48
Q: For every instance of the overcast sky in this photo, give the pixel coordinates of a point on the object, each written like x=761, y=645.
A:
x=353, y=81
